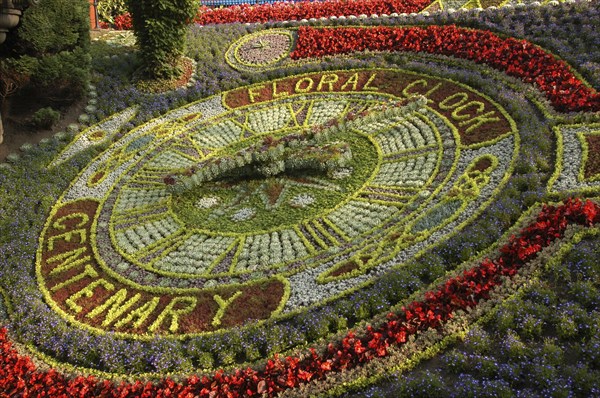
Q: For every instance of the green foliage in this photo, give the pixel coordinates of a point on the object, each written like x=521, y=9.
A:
x=479, y=341
x=586, y=293
x=45, y=118
x=52, y=48
x=109, y=9
x=317, y=329
x=514, y=347
x=56, y=25
x=65, y=73
x=160, y=28
x=14, y=74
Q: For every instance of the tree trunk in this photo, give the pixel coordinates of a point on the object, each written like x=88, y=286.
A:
x=3, y=114
x=4, y=110
x=1, y=130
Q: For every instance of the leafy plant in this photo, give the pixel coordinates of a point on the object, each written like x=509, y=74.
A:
x=52, y=48
x=45, y=118
x=160, y=28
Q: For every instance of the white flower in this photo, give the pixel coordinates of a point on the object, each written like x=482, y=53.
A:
x=341, y=173
x=302, y=200
x=207, y=202
x=243, y=214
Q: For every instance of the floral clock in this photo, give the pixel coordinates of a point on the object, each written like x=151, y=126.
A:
x=224, y=247
x=122, y=252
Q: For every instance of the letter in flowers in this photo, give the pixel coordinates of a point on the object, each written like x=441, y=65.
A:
x=59, y=224
x=367, y=86
x=278, y=95
x=88, y=271
x=453, y=101
x=170, y=311
x=327, y=79
x=69, y=260
x=223, y=305
x=141, y=313
x=67, y=236
x=309, y=85
x=114, y=305
x=456, y=114
x=353, y=80
x=254, y=92
x=422, y=82
x=479, y=120
x=88, y=292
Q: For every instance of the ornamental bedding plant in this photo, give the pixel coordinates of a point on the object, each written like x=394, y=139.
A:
x=284, y=11
x=567, y=30
x=521, y=350
x=517, y=58
x=18, y=374
x=557, y=28
x=55, y=383
x=289, y=11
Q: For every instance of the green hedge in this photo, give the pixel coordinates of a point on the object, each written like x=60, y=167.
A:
x=160, y=27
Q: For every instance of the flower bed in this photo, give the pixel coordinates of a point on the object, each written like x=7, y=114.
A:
x=285, y=11
x=197, y=244
x=206, y=200
x=281, y=11
x=439, y=306
x=514, y=57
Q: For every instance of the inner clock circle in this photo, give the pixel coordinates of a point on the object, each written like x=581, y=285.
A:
x=244, y=200
x=260, y=188
x=261, y=49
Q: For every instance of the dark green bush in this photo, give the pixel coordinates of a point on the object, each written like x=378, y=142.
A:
x=160, y=28
x=45, y=118
x=53, y=41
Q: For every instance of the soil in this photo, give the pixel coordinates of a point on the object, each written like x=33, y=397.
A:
x=18, y=129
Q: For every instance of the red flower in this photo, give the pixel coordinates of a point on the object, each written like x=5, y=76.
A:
x=19, y=376
x=514, y=57
x=123, y=22
x=590, y=210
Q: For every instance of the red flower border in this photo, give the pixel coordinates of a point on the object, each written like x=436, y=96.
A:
x=19, y=376
x=294, y=11
x=285, y=11
x=518, y=58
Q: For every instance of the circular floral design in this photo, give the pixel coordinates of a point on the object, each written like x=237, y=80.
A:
x=160, y=235
x=260, y=50
x=263, y=49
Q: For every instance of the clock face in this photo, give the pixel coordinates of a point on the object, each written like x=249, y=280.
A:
x=260, y=50
x=287, y=240
x=274, y=223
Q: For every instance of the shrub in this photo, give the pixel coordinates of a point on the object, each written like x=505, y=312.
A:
x=52, y=48
x=64, y=74
x=45, y=118
x=160, y=27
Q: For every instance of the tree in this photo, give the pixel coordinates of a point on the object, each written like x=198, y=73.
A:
x=160, y=28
